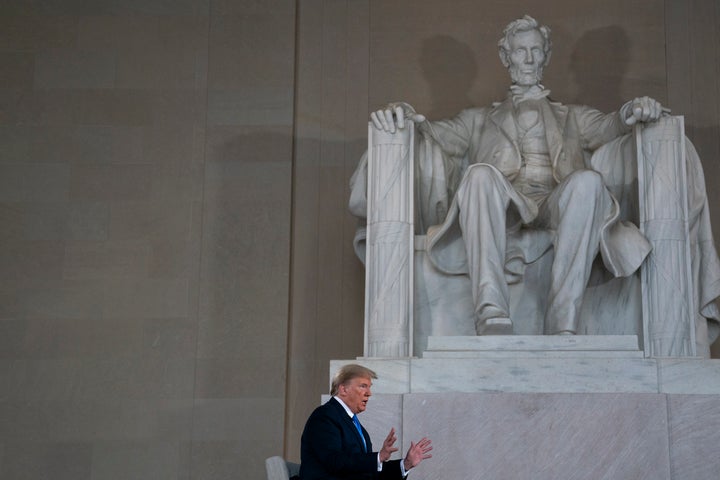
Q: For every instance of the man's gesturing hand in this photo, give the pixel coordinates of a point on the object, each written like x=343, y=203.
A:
x=417, y=453
x=388, y=448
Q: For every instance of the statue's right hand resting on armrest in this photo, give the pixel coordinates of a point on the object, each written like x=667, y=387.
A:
x=393, y=116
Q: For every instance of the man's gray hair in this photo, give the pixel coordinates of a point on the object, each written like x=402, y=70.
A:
x=347, y=373
x=523, y=24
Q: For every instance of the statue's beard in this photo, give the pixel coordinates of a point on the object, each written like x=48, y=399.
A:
x=521, y=78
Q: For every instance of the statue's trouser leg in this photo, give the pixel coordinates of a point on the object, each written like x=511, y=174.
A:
x=483, y=198
x=576, y=210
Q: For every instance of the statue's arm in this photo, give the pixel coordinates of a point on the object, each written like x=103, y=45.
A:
x=598, y=128
x=453, y=135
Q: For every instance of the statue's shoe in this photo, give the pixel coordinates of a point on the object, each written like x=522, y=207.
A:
x=494, y=326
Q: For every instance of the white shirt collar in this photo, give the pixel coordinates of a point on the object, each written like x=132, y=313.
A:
x=347, y=409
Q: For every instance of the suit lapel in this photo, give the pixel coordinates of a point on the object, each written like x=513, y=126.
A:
x=348, y=423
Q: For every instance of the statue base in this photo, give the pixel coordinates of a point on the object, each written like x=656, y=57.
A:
x=548, y=407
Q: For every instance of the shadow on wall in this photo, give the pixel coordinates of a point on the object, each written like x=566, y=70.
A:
x=450, y=69
x=598, y=65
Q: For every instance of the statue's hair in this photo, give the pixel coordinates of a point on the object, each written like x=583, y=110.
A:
x=347, y=373
x=523, y=24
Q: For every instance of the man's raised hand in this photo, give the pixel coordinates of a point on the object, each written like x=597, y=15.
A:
x=417, y=453
x=388, y=447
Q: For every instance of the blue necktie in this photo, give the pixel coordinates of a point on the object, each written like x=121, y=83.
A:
x=359, y=429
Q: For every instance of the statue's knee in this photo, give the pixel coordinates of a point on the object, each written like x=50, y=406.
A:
x=482, y=176
x=588, y=181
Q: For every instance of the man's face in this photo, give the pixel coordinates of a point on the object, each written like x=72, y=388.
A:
x=527, y=58
x=356, y=393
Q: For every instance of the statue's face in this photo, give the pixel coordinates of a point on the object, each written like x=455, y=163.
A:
x=526, y=57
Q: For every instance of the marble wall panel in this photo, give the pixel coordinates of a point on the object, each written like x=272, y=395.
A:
x=87, y=221
x=169, y=337
x=106, y=260
x=149, y=53
x=137, y=459
x=246, y=251
x=119, y=107
x=110, y=182
x=57, y=68
x=694, y=430
x=18, y=69
x=47, y=338
x=252, y=106
x=223, y=378
x=237, y=7
x=43, y=460
x=233, y=419
x=48, y=221
x=32, y=31
x=16, y=140
x=104, y=114
x=540, y=436
x=689, y=376
x=109, y=420
x=534, y=375
x=243, y=312
x=68, y=299
x=252, y=50
x=224, y=459
x=35, y=182
x=31, y=264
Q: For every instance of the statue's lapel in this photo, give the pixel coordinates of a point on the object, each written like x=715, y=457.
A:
x=502, y=116
x=554, y=116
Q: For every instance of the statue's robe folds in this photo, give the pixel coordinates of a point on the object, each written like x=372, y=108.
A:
x=578, y=137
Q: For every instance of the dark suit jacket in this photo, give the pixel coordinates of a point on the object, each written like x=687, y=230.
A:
x=332, y=449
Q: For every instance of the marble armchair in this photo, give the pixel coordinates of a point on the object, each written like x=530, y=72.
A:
x=669, y=304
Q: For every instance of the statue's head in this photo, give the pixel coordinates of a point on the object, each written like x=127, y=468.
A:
x=525, y=50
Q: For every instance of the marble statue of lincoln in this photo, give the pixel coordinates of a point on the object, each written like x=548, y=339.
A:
x=528, y=169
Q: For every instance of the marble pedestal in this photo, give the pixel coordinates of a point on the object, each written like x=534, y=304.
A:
x=548, y=407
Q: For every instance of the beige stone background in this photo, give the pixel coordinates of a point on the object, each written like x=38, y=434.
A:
x=176, y=267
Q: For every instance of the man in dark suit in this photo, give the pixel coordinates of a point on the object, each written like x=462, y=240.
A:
x=335, y=446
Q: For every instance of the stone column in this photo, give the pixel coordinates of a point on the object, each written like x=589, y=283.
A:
x=667, y=289
x=390, y=237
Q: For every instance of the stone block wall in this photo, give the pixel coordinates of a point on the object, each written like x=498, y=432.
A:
x=145, y=179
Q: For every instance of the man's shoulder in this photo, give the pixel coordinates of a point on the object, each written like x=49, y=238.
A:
x=330, y=407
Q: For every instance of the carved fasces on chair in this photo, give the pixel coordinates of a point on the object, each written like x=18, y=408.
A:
x=390, y=243
x=667, y=287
